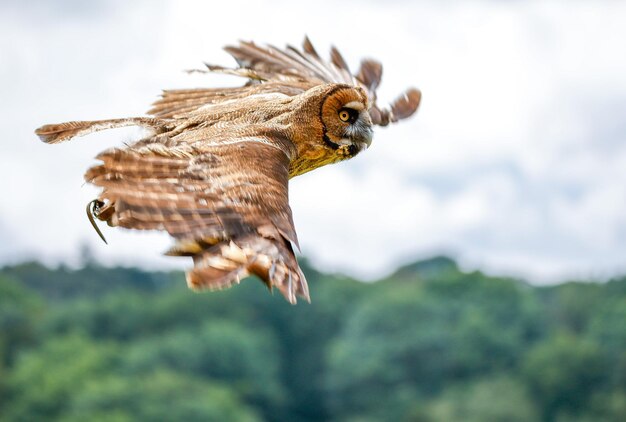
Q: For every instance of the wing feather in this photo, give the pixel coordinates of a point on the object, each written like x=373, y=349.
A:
x=290, y=71
x=56, y=133
x=214, y=204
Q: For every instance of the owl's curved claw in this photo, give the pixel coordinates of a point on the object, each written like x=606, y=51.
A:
x=92, y=211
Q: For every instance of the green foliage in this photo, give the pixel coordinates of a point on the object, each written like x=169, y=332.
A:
x=608, y=328
x=43, y=382
x=160, y=395
x=414, y=339
x=562, y=373
x=571, y=305
x=75, y=379
x=19, y=311
x=430, y=343
x=218, y=350
x=500, y=399
x=92, y=280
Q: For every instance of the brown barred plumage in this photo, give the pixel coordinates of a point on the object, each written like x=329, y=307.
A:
x=214, y=172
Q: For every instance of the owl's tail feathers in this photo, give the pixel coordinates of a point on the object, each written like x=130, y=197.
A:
x=226, y=263
x=56, y=133
x=402, y=107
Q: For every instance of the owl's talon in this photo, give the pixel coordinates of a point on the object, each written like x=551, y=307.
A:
x=93, y=209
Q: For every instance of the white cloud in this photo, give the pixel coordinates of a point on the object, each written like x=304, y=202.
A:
x=516, y=161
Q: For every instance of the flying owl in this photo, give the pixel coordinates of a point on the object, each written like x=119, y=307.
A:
x=214, y=170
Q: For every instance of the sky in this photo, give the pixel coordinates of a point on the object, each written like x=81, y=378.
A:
x=515, y=163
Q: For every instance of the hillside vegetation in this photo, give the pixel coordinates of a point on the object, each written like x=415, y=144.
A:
x=429, y=343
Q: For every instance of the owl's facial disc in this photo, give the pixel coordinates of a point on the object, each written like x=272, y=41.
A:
x=347, y=126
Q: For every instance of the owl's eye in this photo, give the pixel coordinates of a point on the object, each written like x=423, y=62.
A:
x=348, y=115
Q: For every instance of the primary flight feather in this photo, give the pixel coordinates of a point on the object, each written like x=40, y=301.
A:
x=214, y=171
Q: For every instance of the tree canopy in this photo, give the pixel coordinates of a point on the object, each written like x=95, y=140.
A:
x=428, y=343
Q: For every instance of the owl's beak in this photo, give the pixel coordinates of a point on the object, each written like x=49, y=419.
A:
x=365, y=137
x=362, y=130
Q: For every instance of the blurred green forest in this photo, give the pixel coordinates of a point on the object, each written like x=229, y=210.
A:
x=429, y=343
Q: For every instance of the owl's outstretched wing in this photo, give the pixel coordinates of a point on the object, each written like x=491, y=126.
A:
x=289, y=71
x=225, y=203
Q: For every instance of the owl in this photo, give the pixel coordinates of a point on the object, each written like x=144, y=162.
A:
x=214, y=170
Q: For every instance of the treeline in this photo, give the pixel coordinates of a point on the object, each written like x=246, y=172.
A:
x=430, y=343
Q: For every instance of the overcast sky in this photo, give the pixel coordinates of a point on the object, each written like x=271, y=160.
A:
x=514, y=164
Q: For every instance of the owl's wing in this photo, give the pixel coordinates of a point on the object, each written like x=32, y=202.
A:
x=224, y=201
x=289, y=71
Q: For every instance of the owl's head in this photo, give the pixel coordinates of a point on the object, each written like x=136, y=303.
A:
x=346, y=123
